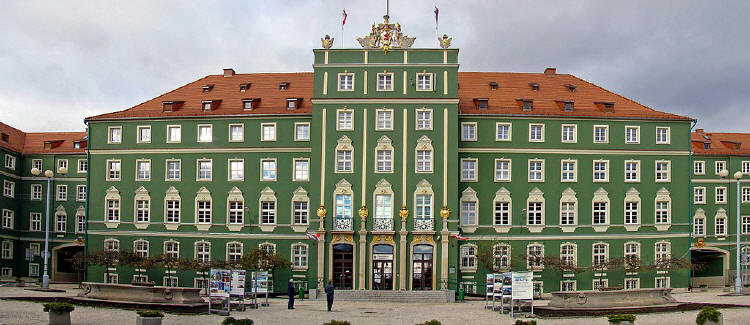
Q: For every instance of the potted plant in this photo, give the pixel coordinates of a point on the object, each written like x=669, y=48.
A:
x=59, y=312
x=431, y=322
x=149, y=317
x=525, y=322
x=234, y=321
x=337, y=322
x=623, y=319
x=709, y=316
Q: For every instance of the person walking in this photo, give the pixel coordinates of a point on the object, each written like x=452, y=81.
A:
x=290, y=291
x=329, y=294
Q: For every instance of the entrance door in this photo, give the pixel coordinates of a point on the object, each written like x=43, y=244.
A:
x=343, y=266
x=382, y=267
x=422, y=268
x=67, y=264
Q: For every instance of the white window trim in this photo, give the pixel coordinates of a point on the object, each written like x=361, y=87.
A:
x=377, y=112
x=300, y=195
x=716, y=192
x=575, y=170
x=150, y=170
x=575, y=133
x=275, y=172
x=198, y=169
x=510, y=170
x=138, y=133
x=377, y=81
x=229, y=131
x=469, y=195
x=536, y=195
x=203, y=195
x=528, y=171
x=721, y=214
x=569, y=196
x=229, y=169
x=461, y=257
x=716, y=163
x=637, y=171
x=198, y=135
x=432, y=81
x=13, y=188
x=235, y=195
x=662, y=195
x=41, y=192
x=338, y=119
x=166, y=170
x=78, y=191
x=474, y=124
x=703, y=169
x=268, y=195
x=294, y=169
x=172, y=194
x=476, y=170
x=632, y=196
x=263, y=132
x=338, y=81
x=703, y=189
x=503, y=195
x=141, y=194
x=510, y=131
x=606, y=171
x=416, y=119
x=637, y=132
x=384, y=144
x=308, y=131
x=109, y=134
x=168, y=133
x=226, y=249
x=57, y=192
x=669, y=171
x=307, y=256
x=543, y=135
x=669, y=134
x=424, y=143
x=81, y=171
x=601, y=196
x=606, y=134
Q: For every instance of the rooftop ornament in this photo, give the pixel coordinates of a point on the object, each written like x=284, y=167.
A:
x=386, y=36
x=445, y=41
x=327, y=41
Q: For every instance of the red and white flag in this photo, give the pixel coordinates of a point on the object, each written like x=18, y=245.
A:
x=459, y=237
x=343, y=21
x=313, y=236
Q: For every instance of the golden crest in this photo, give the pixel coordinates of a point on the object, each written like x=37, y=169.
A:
x=327, y=42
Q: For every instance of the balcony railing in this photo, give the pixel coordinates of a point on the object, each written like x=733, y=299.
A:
x=342, y=224
x=423, y=225
x=383, y=224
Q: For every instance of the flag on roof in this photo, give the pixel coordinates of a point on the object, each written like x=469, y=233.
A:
x=436, y=15
x=343, y=21
x=313, y=236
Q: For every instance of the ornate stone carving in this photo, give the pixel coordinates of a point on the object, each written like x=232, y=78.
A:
x=327, y=42
x=343, y=224
x=386, y=36
x=383, y=224
x=445, y=212
x=445, y=41
x=423, y=225
x=321, y=212
x=363, y=213
x=403, y=213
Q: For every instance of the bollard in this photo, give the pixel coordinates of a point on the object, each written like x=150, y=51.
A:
x=301, y=294
x=461, y=294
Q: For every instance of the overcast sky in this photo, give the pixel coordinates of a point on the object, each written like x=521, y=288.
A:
x=61, y=61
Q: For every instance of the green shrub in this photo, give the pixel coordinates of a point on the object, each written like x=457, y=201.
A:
x=150, y=313
x=234, y=321
x=525, y=322
x=338, y=322
x=59, y=307
x=431, y=322
x=621, y=318
x=707, y=313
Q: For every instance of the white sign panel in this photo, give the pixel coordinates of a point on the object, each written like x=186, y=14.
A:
x=523, y=285
x=238, y=283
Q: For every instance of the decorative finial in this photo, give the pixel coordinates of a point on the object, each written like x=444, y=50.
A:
x=386, y=36
x=327, y=41
x=445, y=41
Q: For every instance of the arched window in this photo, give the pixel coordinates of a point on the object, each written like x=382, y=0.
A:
x=203, y=252
x=600, y=255
x=112, y=245
x=501, y=253
x=299, y=256
x=140, y=247
x=268, y=247
x=469, y=256
x=172, y=249
x=568, y=254
x=234, y=252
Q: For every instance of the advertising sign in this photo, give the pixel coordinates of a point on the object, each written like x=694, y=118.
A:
x=523, y=285
x=238, y=283
x=261, y=282
x=507, y=284
x=220, y=283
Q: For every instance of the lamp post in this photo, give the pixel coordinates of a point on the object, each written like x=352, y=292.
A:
x=738, y=275
x=50, y=176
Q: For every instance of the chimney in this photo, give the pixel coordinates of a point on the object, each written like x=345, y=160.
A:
x=228, y=72
x=550, y=71
x=699, y=131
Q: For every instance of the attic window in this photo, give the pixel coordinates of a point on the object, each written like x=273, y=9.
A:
x=250, y=103
x=171, y=106
x=207, y=106
x=207, y=88
x=527, y=104
x=607, y=107
x=568, y=106
x=534, y=86
x=292, y=103
x=4, y=137
x=707, y=145
x=482, y=103
x=76, y=145
x=283, y=85
x=493, y=85
x=570, y=87
x=244, y=87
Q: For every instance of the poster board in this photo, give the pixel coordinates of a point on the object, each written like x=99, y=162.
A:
x=220, y=283
x=261, y=282
x=238, y=283
x=523, y=286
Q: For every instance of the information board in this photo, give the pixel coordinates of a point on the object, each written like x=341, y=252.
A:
x=523, y=285
x=238, y=283
x=261, y=282
x=220, y=283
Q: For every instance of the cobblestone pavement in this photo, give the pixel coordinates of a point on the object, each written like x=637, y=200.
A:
x=313, y=312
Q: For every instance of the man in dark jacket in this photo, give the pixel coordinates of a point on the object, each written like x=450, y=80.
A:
x=329, y=294
x=290, y=291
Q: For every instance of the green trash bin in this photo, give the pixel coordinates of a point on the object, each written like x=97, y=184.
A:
x=460, y=294
x=301, y=293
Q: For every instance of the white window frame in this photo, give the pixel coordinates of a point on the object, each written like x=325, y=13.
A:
x=10, y=162
x=179, y=170
x=510, y=129
x=296, y=177
x=262, y=169
x=473, y=127
x=198, y=170
x=718, y=163
x=83, y=163
x=509, y=170
x=468, y=257
x=230, y=177
x=298, y=125
x=350, y=83
x=138, y=177
x=268, y=137
x=606, y=133
x=541, y=132
x=61, y=192
x=110, y=170
x=386, y=123
x=210, y=133
x=138, y=134
x=79, y=191
x=469, y=208
x=637, y=129
x=9, y=189
x=474, y=171
x=668, y=171
x=169, y=133
x=430, y=78
x=668, y=135
x=342, y=123
x=528, y=172
x=637, y=171
x=391, y=79
x=574, y=171
x=723, y=197
x=702, y=165
x=36, y=192
x=702, y=191
x=594, y=171
x=575, y=133
x=110, y=138
x=241, y=127
x=422, y=124
x=35, y=221
x=300, y=260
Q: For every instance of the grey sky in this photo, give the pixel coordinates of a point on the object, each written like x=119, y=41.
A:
x=61, y=61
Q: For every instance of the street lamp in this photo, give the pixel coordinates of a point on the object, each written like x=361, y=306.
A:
x=50, y=176
x=738, y=276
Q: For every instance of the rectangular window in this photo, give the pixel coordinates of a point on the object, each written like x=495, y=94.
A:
x=424, y=161
x=599, y=213
x=81, y=193
x=9, y=188
x=62, y=163
x=719, y=166
x=7, y=219
x=144, y=134
x=172, y=211
x=468, y=257
x=502, y=170
x=662, y=135
x=699, y=167
x=268, y=169
x=632, y=171
x=236, y=212
x=536, y=132
x=424, y=119
x=83, y=165
x=534, y=256
x=174, y=168
x=384, y=119
x=569, y=133
x=384, y=160
x=268, y=132
x=143, y=170
x=174, y=134
x=469, y=170
x=36, y=191
x=113, y=210
x=469, y=131
x=300, y=212
x=346, y=82
x=142, y=210
x=299, y=256
x=33, y=269
x=745, y=224
x=468, y=213
x=236, y=132
x=534, y=213
x=601, y=171
x=601, y=134
x=345, y=120
x=301, y=170
x=663, y=171
x=203, y=211
x=502, y=213
x=205, y=169
x=113, y=170
x=423, y=207
x=36, y=221
x=699, y=195
x=385, y=81
x=662, y=212
x=115, y=135
x=536, y=170
x=61, y=192
x=721, y=195
x=631, y=284
x=632, y=134
x=662, y=282
x=267, y=212
x=631, y=213
x=383, y=206
x=746, y=167
x=10, y=162
x=699, y=226
x=205, y=133
x=568, y=171
x=720, y=229
x=502, y=131
x=567, y=213
x=344, y=161
x=745, y=194
x=424, y=81
x=36, y=163
x=60, y=223
x=236, y=169
x=7, y=253
x=301, y=131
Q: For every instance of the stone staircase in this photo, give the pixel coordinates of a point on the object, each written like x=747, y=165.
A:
x=436, y=296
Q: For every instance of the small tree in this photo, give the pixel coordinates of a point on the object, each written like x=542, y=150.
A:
x=108, y=259
x=78, y=264
x=632, y=263
x=204, y=268
x=606, y=264
x=136, y=261
x=672, y=263
x=259, y=259
x=486, y=257
x=562, y=265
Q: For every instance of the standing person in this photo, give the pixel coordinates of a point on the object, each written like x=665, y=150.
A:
x=329, y=294
x=290, y=291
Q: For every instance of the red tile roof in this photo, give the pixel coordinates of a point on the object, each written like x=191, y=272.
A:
x=553, y=90
x=721, y=144
x=15, y=136
x=34, y=143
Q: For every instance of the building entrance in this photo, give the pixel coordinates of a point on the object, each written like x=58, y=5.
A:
x=422, y=268
x=382, y=267
x=343, y=266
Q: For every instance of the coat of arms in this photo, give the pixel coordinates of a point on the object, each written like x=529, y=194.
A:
x=386, y=36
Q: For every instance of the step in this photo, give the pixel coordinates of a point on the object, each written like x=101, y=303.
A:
x=434, y=296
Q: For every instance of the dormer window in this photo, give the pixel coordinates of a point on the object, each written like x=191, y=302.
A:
x=568, y=106
x=244, y=87
x=571, y=88
x=283, y=85
x=207, y=88
x=4, y=137
x=207, y=106
x=707, y=145
x=526, y=104
x=76, y=145
x=250, y=103
x=607, y=107
x=493, y=85
x=481, y=103
x=292, y=103
x=534, y=86
x=171, y=106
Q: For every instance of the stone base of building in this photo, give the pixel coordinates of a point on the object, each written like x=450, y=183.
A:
x=427, y=296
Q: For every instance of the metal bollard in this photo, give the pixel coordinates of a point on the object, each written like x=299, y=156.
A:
x=461, y=294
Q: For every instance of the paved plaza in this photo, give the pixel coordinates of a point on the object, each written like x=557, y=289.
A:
x=313, y=312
